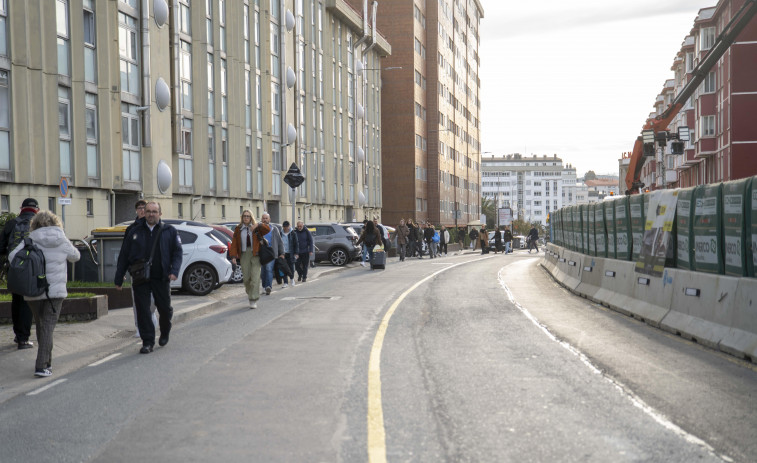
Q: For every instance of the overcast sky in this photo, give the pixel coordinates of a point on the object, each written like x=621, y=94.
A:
x=576, y=78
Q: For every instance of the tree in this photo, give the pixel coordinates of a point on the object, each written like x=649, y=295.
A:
x=590, y=175
x=489, y=209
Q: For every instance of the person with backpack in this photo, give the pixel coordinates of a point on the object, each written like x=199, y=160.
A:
x=153, y=251
x=305, y=247
x=533, y=239
x=370, y=237
x=473, y=237
x=48, y=236
x=14, y=233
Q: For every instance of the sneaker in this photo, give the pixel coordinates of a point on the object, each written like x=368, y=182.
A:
x=299, y=278
x=253, y=304
x=286, y=285
x=293, y=283
x=267, y=290
x=43, y=373
x=362, y=263
x=25, y=345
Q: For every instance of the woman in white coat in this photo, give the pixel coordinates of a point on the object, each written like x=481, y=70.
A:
x=47, y=233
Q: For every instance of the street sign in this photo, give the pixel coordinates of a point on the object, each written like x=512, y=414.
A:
x=63, y=187
x=294, y=177
x=64, y=201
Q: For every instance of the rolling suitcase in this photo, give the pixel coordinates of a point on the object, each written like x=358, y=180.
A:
x=379, y=260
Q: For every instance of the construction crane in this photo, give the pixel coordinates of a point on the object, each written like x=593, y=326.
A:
x=654, y=128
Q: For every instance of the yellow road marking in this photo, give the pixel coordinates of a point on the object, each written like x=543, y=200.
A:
x=376, y=431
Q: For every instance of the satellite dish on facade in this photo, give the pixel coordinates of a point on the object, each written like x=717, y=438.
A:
x=360, y=111
x=289, y=20
x=162, y=94
x=361, y=198
x=164, y=177
x=291, y=77
x=360, y=154
x=160, y=11
x=291, y=134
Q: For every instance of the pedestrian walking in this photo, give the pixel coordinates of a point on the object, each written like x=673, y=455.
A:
x=364, y=250
x=48, y=235
x=14, y=233
x=428, y=237
x=289, y=239
x=443, y=240
x=533, y=238
x=497, y=240
x=370, y=237
x=508, y=240
x=245, y=249
x=461, y=238
x=402, y=238
x=139, y=209
x=473, y=235
x=412, y=238
x=304, y=249
x=157, y=247
x=274, y=239
x=483, y=237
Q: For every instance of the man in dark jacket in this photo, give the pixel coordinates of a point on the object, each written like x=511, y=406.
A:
x=14, y=233
x=412, y=238
x=289, y=240
x=164, y=268
x=304, y=248
x=428, y=237
x=139, y=209
x=508, y=240
x=533, y=238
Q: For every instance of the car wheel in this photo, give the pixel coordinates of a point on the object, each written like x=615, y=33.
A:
x=236, y=274
x=338, y=257
x=200, y=279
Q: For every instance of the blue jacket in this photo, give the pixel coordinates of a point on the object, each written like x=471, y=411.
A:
x=136, y=246
x=304, y=241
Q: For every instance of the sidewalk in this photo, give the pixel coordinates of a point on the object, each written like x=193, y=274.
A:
x=77, y=344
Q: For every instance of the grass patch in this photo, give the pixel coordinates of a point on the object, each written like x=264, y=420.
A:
x=9, y=297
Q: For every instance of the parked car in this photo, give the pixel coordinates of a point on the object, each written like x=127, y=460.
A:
x=335, y=242
x=205, y=264
x=224, y=235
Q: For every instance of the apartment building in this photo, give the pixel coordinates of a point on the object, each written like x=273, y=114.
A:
x=720, y=114
x=200, y=104
x=532, y=186
x=431, y=111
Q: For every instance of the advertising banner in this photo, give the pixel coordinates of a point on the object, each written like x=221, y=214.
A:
x=505, y=216
x=658, y=232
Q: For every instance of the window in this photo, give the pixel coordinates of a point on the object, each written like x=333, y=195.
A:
x=209, y=21
x=224, y=97
x=90, y=120
x=61, y=19
x=185, y=75
x=3, y=28
x=51, y=202
x=248, y=163
x=90, y=207
x=5, y=203
x=130, y=143
x=5, y=153
x=708, y=126
x=90, y=69
x=211, y=84
x=185, y=18
x=225, y=160
x=127, y=50
x=259, y=156
x=246, y=32
x=276, y=168
x=185, y=155
x=64, y=130
x=706, y=38
x=211, y=157
x=709, y=82
x=222, y=23
x=180, y=210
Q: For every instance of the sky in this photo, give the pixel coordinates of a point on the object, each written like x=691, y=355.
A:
x=576, y=78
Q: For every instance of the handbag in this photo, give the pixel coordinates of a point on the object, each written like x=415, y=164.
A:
x=265, y=253
x=140, y=269
x=284, y=267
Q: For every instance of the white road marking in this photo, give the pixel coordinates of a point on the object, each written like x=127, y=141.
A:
x=625, y=391
x=44, y=388
x=100, y=362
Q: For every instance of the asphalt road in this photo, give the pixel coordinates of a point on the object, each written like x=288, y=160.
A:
x=482, y=358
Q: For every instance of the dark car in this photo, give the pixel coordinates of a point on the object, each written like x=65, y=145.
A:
x=335, y=242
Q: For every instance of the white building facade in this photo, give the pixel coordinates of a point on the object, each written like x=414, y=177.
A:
x=531, y=186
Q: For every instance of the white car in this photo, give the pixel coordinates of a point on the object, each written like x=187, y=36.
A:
x=204, y=265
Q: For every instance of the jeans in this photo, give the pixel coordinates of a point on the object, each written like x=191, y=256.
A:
x=401, y=251
x=161, y=292
x=266, y=274
x=432, y=249
x=507, y=247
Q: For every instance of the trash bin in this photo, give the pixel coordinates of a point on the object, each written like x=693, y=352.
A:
x=109, y=241
x=84, y=269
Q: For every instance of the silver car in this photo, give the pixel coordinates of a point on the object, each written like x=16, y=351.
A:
x=334, y=242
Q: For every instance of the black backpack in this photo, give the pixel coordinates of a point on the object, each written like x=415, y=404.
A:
x=20, y=231
x=27, y=274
